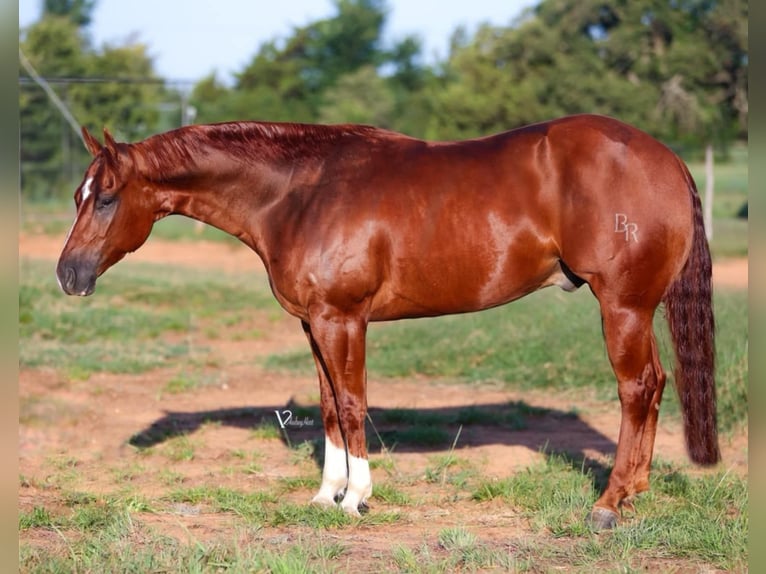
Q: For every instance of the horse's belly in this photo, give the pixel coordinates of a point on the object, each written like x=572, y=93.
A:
x=459, y=286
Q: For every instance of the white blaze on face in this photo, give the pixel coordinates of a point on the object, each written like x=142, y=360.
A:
x=334, y=475
x=86, y=191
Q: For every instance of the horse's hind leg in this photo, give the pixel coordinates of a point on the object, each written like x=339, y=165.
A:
x=633, y=353
x=650, y=429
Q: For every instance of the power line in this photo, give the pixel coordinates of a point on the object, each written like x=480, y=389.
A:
x=65, y=80
x=39, y=80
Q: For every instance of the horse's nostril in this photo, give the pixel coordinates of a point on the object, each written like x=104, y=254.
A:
x=70, y=278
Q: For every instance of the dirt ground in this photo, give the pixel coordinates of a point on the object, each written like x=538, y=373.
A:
x=91, y=422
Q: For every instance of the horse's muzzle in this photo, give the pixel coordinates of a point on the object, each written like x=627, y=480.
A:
x=76, y=279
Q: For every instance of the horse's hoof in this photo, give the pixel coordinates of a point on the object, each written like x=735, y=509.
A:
x=602, y=519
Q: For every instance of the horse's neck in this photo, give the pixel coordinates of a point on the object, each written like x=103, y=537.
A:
x=226, y=195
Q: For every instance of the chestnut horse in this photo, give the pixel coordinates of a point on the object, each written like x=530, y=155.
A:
x=357, y=224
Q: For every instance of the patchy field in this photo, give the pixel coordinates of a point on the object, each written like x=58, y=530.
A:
x=149, y=441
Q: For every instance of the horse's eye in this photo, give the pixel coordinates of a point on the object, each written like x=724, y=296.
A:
x=105, y=201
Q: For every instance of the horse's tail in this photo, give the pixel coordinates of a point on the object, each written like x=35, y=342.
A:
x=689, y=311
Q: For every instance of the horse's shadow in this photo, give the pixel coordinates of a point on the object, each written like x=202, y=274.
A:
x=399, y=430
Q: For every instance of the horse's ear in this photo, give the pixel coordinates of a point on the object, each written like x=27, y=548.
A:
x=91, y=143
x=109, y=140
x=111, y=146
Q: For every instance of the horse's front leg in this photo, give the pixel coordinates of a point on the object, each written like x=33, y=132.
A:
x=338, y=344
x=335, y=470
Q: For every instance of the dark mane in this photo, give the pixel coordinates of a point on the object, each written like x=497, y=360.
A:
x=181, y=149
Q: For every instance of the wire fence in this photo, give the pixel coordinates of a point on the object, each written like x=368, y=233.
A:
x=53, y=157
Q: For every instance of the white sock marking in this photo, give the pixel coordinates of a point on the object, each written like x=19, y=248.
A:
x=359, y=485
x=334, y=474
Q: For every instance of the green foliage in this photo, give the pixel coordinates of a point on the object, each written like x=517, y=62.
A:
x=651, y=63
x=287, y=79
x=361, y=97
x=79, y=11
x=52, y=155
x=55, y=47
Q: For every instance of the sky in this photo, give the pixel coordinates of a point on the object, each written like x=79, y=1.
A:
x=190, y=39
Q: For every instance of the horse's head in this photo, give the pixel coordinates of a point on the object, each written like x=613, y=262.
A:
x=114, y=216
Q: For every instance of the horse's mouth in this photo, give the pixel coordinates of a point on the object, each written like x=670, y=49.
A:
x=73, y=283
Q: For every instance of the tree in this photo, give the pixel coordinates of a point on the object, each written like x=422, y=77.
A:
x=361, y=97
x=129, y=103
x=126, y=97
x=286, y=79
x=677, y=69
x=54, y=47
x=78, y=11
x=536, y=69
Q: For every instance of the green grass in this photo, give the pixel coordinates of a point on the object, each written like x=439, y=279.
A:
x=467, y=552
x=731, y=182
x=695, y=523
x=179, y=448
x=680, y=517
x=553, y=495
x=509, y=343
x=390, y=494
x=730, y=238
x=141, y=317
x=250, y=506
x=38, y=517
x=191, y=379
x=731, y=189
x=264, y=508
x=141, y=552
